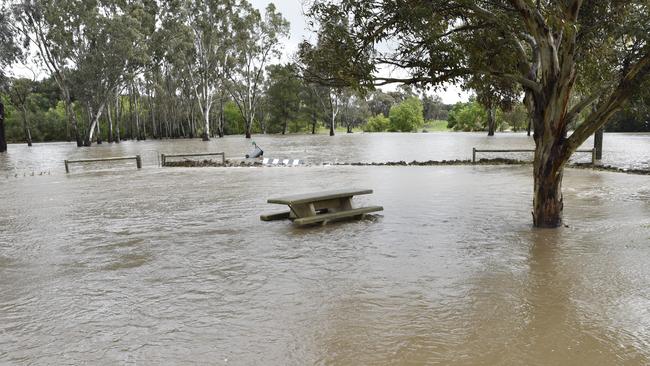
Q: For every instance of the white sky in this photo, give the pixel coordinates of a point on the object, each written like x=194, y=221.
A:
x=292, y=10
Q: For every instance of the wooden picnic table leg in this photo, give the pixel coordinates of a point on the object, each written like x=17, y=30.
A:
x=303, y=210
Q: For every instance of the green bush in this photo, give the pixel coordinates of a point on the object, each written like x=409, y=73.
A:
x=407, y=116
x=467, y=117
x=378, y=123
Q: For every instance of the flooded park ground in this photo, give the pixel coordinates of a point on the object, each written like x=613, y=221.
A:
x=113, y=265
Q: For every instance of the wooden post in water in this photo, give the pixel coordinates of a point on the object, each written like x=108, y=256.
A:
x=594, y=155
x=67, y=169
x=473, y=155
x=138, y=161
x=598, y=145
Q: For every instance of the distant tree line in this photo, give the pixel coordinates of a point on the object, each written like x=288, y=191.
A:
x=205, y=68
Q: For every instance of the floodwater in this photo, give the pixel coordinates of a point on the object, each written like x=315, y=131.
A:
x=173, y=265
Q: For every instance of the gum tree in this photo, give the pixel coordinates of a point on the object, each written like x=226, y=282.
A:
x=9, y=52
x=257, y=41
x=547, y=47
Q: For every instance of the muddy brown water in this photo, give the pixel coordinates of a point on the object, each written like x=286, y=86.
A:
x=173, y=265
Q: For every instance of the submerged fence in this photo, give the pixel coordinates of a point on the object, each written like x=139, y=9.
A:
x=137, y=158
x=475, y=150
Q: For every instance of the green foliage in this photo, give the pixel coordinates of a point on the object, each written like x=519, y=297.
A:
x=468, y=116
x=378, y=123
x=234, y=120
x=516, y=119
x=283, y=96
x=407, y=116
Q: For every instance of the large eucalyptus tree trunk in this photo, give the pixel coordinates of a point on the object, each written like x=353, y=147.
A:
x=548, y=169
x=3, y=141
x=93, y=124
x=206, y=123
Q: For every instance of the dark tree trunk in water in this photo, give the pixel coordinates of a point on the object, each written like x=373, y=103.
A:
x=99, y=134
x=598, y=143
x=284, y=127
x=28, y=133
x=248, y=125
x=110, y=125
x=491, y=121
x=221, y=118
x=548, y=170
x=3, y=141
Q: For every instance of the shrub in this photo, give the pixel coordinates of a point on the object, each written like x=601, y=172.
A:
x=378, y=123
x=407, y=116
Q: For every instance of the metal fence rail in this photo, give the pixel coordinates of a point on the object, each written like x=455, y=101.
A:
x=474, y=151
x=163, y=157
x=137, y=158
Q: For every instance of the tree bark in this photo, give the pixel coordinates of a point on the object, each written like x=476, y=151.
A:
x=28, y=133
x=491, y=121
x=3, y=141
x=99, y=134
x=72, y=117
x=110, y=124
x=91, y=130
x=548, y=170
x=220, y=129
x=118, y=117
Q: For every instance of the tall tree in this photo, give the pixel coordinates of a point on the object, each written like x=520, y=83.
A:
x=50, y=27
x=203, y=33
x=9, y=52
x=19, y=93
x=257, y=42
x=545, y=46
x=283, y=94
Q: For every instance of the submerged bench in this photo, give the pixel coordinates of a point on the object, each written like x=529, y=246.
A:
x=320, y=207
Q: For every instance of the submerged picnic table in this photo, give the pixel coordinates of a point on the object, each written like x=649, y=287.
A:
x=320, y=207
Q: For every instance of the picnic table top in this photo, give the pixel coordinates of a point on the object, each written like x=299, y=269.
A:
x=318, y=196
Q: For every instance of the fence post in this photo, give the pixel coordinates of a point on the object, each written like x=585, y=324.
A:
x=593, y=156
x=67, y=170
x=138, y=161
x=162, y=159
x=473, y=155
